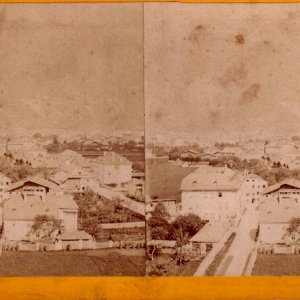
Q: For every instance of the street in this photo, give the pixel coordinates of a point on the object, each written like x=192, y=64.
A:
x=236, y=258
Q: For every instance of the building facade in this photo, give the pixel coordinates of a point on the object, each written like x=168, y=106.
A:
x=211, y=193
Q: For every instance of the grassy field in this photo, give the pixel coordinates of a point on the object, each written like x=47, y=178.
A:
x=166, y=265
x=75, y=263
x=276, y=264
x=188, y=269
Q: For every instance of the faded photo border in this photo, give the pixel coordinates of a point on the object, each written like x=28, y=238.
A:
x=281, y=287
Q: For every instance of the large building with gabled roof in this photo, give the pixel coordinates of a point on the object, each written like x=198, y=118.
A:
x=213, y=193
x=113, y=169
x=19, y=213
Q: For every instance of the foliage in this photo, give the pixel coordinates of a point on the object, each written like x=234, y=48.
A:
x=20, y=170
x=186, y=226
x=160, y=211
x=158, y=223
x=94, y=210
x=46, y=225
x=294, y=226
x=161, y=266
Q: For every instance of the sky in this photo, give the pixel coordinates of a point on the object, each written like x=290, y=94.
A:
x=71, y=66
x=223, y=70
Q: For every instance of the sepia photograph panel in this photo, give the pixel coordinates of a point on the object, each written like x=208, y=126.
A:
x=72, y=140
x=222, y=139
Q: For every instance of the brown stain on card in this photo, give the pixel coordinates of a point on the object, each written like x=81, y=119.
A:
x=234, y=74
x=239, y=39
x=250, y=94
x=194, y=36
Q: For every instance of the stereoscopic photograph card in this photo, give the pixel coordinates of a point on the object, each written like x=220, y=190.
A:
x=149, y=139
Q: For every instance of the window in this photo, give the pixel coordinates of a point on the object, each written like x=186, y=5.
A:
x=264, y=185
x=220, y=194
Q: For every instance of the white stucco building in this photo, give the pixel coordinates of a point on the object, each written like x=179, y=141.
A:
x=212, y=193
x=113, y=169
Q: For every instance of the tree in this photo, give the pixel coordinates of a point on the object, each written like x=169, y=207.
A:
x=45, y=225
x=94, y=210
x=189, y=224
x=158, y=223
x=160, y=211
x=294, y=226
x=182, y=229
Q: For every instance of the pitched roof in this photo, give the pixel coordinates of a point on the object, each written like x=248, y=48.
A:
x=274, y=212
x=191, y=151
x=254, y=176
x=15, y=208
x=289, y=182
x=4, y=176
x=164, y=179
x=207, y=178
x=113, y=158
x=36, y=180
x=211, y=232
x=74, y=235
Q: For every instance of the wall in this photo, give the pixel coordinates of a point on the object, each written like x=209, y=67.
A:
x=69, y=219
x=208, y=205
x=17, y=230
x=272, y=233
x=113, y=174
x=252, y=189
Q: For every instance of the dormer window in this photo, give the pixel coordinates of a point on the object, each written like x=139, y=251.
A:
x=194, y=182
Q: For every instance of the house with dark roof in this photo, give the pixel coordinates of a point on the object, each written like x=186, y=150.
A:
x=32, y=186
x=284, y=191
x=19, y=213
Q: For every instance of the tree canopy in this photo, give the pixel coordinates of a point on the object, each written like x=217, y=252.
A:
x=45, y=225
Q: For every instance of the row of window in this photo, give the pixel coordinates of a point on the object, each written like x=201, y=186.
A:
x=33, y=190
x=288, y=193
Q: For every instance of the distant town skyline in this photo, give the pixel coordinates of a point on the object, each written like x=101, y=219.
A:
x=221, y=69
x=75, y=68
